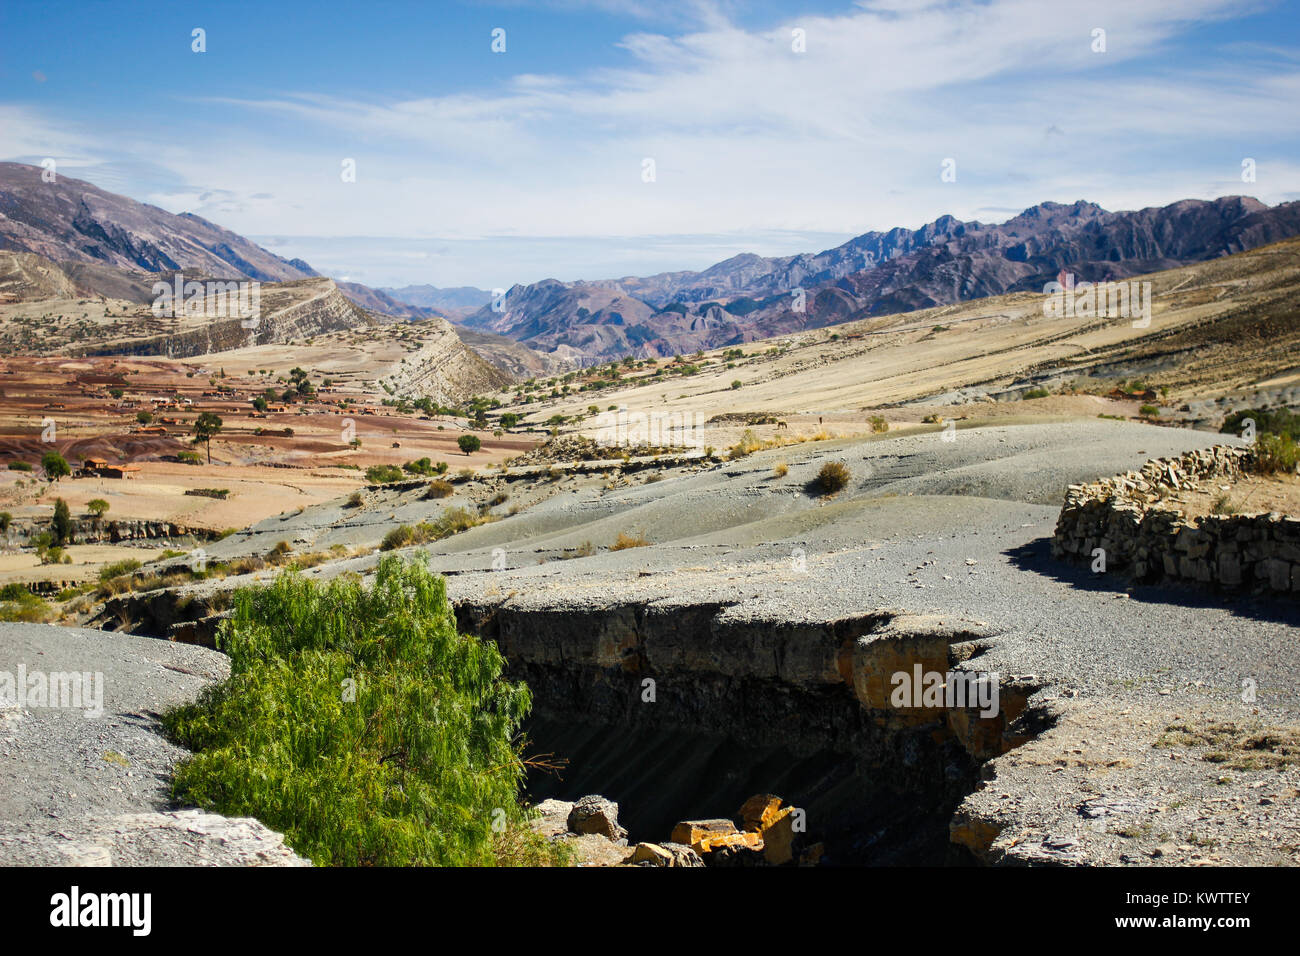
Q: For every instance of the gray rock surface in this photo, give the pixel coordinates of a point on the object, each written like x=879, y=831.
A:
x=92, y=790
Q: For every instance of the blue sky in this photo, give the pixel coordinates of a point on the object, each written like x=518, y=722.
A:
x=483, y=168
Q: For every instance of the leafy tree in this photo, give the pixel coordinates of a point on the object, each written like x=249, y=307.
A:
x=54, y=466
x=509, y=420
x=6, y=519
x=469, y=443
x=144, y=418
x=206, y=427
x=360, y=723
x=61, y=523
x=97, y=507
x=259, y=404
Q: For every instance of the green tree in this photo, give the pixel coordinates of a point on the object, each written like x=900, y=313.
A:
x=97, y=507
x=6, y=519
x=259, y=404
x=144, y=418
x=469, y=443
x=360, y=723
x=206, y=427
x=54, y=466
x=61, y=523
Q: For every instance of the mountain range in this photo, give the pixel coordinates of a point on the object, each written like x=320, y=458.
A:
x=749, y=297
x=109, y=244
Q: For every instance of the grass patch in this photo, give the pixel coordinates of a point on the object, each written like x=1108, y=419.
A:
x=362, y=725
x=1235, y=746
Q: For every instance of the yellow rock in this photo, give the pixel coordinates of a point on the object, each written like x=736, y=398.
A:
x=692, y=832
x=778, y=838
x=759, y=811
x=710, y=843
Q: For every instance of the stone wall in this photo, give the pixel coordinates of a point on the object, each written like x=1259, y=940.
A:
x=1150, y=540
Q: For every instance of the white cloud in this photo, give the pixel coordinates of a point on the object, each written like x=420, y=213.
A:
x=749, y=136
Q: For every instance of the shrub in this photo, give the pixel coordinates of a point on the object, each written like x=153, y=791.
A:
x=1276, y=454
x=354, y=500
x=1280, y=421
x=736, y=384
x=878, y=424
x=932, y=420
x=747, y=445
x=1149, y=411
x=6, y=519
x=781, y=470
x=118, y=568
x=383, y=474
x=19, y=466
x=625, y=541
x=833, y=476
x=438, y=489
x=360, y=723
x=1037, y=393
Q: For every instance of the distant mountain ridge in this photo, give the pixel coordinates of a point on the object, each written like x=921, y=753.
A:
x=750, y=297
x=73, y=221
x=447, y=300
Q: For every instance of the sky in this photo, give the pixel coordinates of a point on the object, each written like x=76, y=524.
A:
x=604, y=138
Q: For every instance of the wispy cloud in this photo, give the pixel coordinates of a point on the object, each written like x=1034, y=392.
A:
x=751, y=132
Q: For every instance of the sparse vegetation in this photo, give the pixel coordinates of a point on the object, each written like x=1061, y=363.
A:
x=781, y=470
x=833, y=477
x=878, y=424
x=1276, y=454
x=438, y=489
x=625, y=541
x=360, y=723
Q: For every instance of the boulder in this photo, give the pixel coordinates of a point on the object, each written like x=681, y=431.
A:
x=663, y=854
x=758, y=811
x=596, y=814
x=691, y=832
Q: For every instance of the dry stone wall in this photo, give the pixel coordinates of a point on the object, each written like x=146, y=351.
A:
x=1144, y=536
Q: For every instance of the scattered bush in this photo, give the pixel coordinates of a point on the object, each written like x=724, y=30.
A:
x=625, y=541
x=438, y=489
x=1037, y=393
x=354, y=500
x=1276, y=454
x=19, y=466
x=748, y=444
x=781, y=470
x=834, y=476
x=1149, y=411
x=878, y=424
x=383, y=474
x=118, y=568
